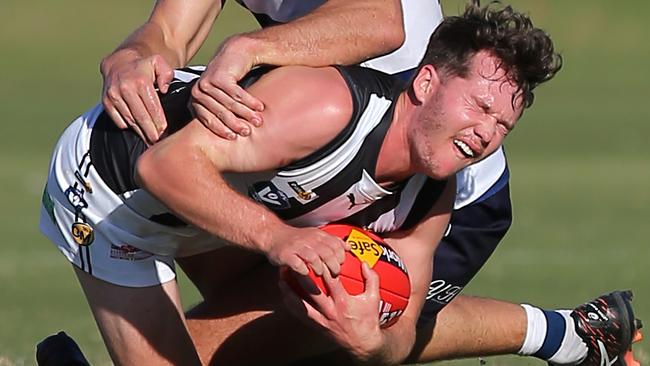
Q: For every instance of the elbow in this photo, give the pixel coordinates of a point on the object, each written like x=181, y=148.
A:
x=378, y=23
x=392, y=32
x=395, y=35
x=154, y=170
x=145, y=169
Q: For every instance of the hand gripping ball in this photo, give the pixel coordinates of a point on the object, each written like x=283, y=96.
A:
x=394, y=284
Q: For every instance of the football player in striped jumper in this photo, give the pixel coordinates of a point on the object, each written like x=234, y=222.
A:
x=482, y=208
x=123, y=212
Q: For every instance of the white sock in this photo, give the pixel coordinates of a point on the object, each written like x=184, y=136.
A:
x=551, y=336
x=573, y=349
x=535, y=330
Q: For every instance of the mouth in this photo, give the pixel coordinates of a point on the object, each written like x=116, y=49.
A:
x=464, y=149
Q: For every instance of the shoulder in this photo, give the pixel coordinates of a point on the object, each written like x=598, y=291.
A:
x=311, y=86
x=305, y=107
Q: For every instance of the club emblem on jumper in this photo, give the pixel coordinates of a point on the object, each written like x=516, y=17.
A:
x=364, y=248
x=76, y=198
x=268, y=194
x=82, y=233
x=301, y=192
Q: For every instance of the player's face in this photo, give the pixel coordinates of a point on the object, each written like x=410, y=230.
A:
x=465, y=119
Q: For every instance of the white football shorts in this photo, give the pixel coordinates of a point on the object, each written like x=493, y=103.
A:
x=109, y=235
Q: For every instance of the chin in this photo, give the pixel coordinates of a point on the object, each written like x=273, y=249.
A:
x=448, y=171
x=439, y=169
x=440, y=174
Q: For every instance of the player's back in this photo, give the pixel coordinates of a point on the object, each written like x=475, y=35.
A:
x=93, y=174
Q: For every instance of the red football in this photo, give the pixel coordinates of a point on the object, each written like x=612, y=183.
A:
x=394, y=284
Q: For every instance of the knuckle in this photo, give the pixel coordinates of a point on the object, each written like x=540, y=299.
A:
x=310, y=256
x=207, y=120
x=107, y=102
x=325, y=252
x=124, y=88
x=112, y=93
x=219, y=79
x=140, y=83
x=230, y=120
x=293, y=262
x=203, y=84
x=232, y=104
x=196, y=92
x=334, y=266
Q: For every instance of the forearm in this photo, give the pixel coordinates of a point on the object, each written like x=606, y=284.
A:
x=146, y=41
x=200, y=196
x=175, y=30
x=338, y=32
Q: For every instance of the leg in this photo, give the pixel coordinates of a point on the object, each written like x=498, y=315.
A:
x=140, y=326
x=471, y=326
x=245, y=311
x=451, y=326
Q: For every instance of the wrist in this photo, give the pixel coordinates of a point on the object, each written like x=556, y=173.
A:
x=372, y=351
x=269, y=227
x=249, y=47
x=120, y=56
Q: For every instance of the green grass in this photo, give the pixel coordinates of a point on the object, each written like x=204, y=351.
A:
x=580, y=167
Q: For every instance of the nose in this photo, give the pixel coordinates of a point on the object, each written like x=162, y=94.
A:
x=485, y=130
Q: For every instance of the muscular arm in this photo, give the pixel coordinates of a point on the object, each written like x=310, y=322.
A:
x=184, y=171
x=172, y=35
x=353, y=320
x=337, y=32
x=175, y=30
x=416, y=248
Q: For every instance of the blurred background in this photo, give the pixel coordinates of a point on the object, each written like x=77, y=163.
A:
x=579, y=162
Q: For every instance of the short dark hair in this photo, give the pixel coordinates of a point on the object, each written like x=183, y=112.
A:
x=526, y=53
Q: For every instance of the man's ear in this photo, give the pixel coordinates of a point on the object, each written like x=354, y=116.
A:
x=426, y=82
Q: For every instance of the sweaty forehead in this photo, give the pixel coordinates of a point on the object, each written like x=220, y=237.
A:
x=487, y=66
x=495, y=85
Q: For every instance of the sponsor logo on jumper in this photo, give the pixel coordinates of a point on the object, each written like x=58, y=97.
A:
x=268, y=194
x=442, y=292
x=178, y=89
x=353, y=200
x=364, y=248
x=82, y=233
x=128, y=252
x=301, y=192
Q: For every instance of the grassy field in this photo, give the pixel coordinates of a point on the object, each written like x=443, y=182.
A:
x=579, y=162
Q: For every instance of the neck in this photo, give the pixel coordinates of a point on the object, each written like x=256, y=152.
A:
x=394, y=162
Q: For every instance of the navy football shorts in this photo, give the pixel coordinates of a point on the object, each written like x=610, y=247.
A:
x=475, y=231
